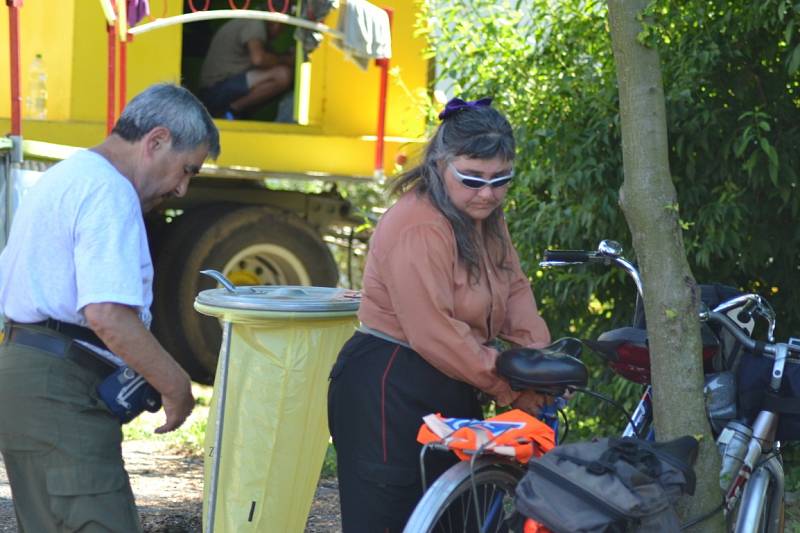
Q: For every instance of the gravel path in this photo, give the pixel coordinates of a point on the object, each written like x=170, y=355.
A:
x=169, y=492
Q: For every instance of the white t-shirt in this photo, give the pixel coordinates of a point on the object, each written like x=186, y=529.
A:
x=77, y=238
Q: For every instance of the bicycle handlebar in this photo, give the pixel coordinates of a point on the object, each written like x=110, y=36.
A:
x=566, y=256
x=609, y=252
x=747, y=304
x=757, y=347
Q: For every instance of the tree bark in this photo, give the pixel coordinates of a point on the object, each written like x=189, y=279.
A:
x=649, y=202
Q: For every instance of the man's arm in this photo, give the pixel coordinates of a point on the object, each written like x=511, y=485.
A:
x=120, y=328
x=261, y=58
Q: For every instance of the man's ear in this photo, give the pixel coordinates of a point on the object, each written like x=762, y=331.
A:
x=157, y=139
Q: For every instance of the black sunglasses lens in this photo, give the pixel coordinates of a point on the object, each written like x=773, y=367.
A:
x=473, y=183
x=501, y=183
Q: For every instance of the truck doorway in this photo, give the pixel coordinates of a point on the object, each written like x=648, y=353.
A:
x=242, y=69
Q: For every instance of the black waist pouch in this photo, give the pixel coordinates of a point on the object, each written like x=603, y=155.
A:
x=128, y=394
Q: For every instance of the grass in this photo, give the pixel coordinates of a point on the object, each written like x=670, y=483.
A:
x=188, y=438
x=329, y=464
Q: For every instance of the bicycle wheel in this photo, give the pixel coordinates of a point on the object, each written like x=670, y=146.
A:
x=451, y=505
x=761, y=508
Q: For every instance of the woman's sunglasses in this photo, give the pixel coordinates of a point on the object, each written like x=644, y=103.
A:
x=473, y=182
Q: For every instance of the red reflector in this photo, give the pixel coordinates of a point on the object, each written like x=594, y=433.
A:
x=633, y=354
x=633, y=361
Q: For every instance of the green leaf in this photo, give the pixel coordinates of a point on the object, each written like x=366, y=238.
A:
x=769, y=150
x=794, y=60
x=740, y=147
x=773, y=176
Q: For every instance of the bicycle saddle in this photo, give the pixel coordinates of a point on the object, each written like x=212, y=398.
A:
x=549, y=370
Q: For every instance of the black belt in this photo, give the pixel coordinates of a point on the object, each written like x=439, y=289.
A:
x=58, y=345
x=73, y=331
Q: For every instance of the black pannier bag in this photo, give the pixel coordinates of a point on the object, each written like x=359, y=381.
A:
x=610, y=485
x=753, y=377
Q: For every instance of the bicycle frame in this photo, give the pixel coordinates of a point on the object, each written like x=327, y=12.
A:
x=642, y=417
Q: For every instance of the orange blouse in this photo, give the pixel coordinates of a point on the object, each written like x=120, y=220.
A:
x=416, y=290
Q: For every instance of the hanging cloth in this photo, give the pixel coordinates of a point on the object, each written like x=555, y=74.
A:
x=315, y=11
x=137, y=10
x=366, y=30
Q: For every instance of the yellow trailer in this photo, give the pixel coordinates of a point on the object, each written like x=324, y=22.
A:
x=235, y=218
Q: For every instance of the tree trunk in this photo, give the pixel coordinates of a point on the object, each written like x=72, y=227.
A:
x=649, y=202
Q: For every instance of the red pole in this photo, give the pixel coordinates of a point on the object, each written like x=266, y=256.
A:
x=384, y=89
x=13, y=33
x=112, y=52
x=123, y=74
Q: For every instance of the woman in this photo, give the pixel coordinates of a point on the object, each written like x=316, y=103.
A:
x=441, y=282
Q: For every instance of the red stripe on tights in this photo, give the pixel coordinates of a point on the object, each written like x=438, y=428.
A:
x=383, y=404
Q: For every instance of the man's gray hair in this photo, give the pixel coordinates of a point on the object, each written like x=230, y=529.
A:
x=174, y=108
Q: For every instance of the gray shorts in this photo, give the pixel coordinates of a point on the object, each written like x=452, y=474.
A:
x=219, y=96
x=62, y=447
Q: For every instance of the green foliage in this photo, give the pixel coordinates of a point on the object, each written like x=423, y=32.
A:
x=731, y=73
x=731, y=81
x=550, y=68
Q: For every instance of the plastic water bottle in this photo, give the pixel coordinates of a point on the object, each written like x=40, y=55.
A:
x=36, y=99
x=732, y=445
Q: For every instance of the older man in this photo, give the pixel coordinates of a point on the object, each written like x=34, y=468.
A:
x=75, y=289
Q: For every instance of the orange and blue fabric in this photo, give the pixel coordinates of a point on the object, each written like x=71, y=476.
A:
x=514, y=434
x=532, y=526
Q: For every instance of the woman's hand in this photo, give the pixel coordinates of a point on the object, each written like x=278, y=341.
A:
x=531, y=402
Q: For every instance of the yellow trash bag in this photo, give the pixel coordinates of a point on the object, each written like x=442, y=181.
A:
x=275, y=430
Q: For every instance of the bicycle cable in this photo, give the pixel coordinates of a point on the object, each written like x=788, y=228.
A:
x=565, y=420
x=474, y=484
x=693, y=522
x=612, y=402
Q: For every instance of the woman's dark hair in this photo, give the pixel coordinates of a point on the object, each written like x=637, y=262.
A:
x=476, y=133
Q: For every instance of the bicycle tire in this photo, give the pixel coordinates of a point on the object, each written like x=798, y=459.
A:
x=448, y=505
x=761, y=508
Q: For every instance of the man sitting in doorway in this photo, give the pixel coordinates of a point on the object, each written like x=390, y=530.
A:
x=240, y=73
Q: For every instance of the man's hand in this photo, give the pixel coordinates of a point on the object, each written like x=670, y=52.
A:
x=178, y=405
x=120, y=328
x=531, y=402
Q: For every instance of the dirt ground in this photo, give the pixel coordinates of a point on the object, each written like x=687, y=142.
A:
x=169, y=492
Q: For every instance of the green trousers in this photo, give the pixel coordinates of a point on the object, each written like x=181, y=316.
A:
x=62, y=447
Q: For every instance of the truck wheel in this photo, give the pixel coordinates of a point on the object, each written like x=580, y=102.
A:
x=251, y=246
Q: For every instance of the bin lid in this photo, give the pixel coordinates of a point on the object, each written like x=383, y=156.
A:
x=289, y=298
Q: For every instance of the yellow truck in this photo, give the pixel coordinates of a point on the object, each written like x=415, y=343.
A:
x=247, y=214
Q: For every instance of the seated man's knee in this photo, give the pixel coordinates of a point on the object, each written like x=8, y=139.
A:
x=283, y=76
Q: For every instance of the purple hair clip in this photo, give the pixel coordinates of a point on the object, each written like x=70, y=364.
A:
x=457, y=104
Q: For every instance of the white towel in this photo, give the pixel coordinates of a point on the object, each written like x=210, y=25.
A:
x=366, y=31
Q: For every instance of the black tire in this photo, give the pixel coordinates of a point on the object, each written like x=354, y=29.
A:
x=252, y=246
x=449, y=505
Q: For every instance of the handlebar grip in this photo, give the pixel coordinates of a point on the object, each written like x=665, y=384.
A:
x=568, y=256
